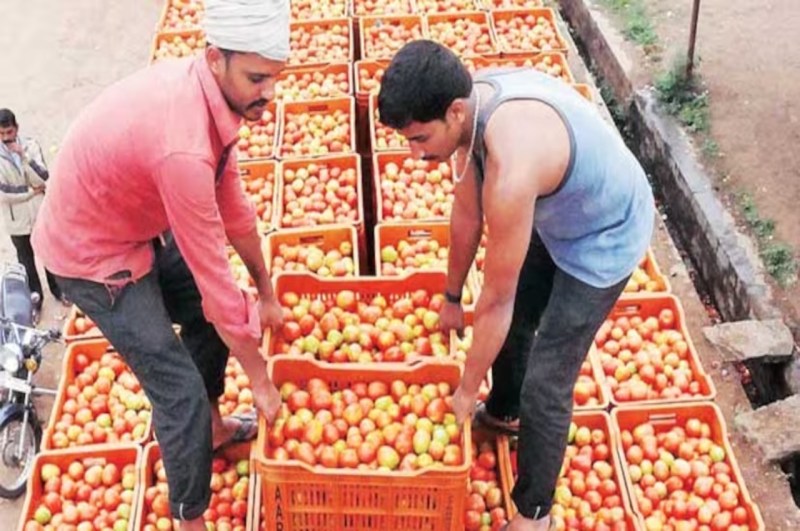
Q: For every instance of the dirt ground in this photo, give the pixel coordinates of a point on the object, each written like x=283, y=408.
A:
x=749, y=59
x=49, y=72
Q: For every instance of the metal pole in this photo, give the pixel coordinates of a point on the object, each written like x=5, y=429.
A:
x=692, y=39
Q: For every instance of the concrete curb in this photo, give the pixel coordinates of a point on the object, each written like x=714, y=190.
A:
x=725, y=259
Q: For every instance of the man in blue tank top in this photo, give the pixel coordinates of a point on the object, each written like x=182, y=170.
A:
x=569, y=214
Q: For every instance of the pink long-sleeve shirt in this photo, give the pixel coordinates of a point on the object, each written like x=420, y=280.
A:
x=142, y=158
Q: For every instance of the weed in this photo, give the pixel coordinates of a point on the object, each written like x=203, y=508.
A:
x=638, y=27
x=683, y=97
x=710, y=148
x=777, y=256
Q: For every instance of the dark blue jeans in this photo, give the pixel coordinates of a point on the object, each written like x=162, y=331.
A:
x=182, y=376
x=555, y=320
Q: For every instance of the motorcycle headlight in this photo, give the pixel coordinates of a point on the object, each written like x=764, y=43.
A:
x=29, y=337
x=10, y=357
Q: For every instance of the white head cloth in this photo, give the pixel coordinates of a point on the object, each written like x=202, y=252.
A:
x=257, y=26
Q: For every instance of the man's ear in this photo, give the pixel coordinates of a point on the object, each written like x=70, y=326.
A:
x=216, y=60
x=458, y=109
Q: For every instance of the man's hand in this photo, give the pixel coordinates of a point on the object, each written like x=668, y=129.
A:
x=15, y=147
x=464, y=404
x=271, y=313
x=267, y=399
x=38, y=189
x=452, y=318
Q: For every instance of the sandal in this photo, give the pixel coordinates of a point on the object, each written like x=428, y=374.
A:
x=482, y=418
x=247, y=430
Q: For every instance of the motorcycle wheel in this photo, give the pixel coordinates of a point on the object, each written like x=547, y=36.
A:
x=15, y=469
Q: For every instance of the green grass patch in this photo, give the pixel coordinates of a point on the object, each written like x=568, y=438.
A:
x=778, y=257
x=684, y=98
x=637, y=24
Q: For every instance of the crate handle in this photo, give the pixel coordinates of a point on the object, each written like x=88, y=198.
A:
x=318, y=108
x=315, y=238
x=628, y=310
x=664, y=418
x=419, y=233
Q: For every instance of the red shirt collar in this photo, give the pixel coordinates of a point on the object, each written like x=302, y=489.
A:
x=226, y=120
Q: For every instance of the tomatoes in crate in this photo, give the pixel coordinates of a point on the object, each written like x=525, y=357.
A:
x=337, y=262
x=89, y=493
x=238, y=394
x=369, y=426
x=369, y=77
x=647, y=358
x=345, y=328
x=103, y=403
x=381, y=7
x=177, y=46
x=383, y=37
x=646, y=278
x=320, y=192
x=312, y=84
x=318, y=9
x=587, y=390
x=319, y=42
x=551, y=63
x=82, y=324
x=462, y=346
x=465, y=34
x=385, y=138
x=412, y=189
x=446, y=6
x=325, y=131
x=182, y=15
x=513, y=4
x=681, y=478
x=485, y=505
x=257, y=138
x=227, y=509
x=258, y=183
x=527, y=31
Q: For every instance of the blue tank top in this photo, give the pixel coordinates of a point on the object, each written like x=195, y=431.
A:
x=598, y=223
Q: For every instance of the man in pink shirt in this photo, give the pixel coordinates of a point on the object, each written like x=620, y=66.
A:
x=144, y=195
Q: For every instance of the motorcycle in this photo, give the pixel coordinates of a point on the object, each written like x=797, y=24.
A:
x=21, y=346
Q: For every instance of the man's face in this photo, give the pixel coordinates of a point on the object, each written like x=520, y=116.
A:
x=247, y=80
x=436, y=140
x=8, y=134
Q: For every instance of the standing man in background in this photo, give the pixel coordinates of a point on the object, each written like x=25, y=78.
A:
x=23, y=176
x=155, y=154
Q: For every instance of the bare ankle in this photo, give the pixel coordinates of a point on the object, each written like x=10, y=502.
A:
x=520, y=523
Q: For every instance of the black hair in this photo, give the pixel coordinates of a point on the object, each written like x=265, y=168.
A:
x=422, y=80
x=7, y=118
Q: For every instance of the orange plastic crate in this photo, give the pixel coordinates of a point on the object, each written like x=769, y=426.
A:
x=117, y=454
x=303, y=10
x=300, y=83
x=594, y=420
x=176, y=44
x=500, y=17
x=70, y=331
x=383, y=138
x=663, y=418
x=650, y=268
x=326, y=237
x=298, y=497
x=552, y=63
x=380, y=160
x=330, y=41
x=363, y=8
x=374, y=24
x=93, y=350
x=259, y=182
x=457, y=41
x=447, y=6
x=439, y=231
x=650, y=305
x=181, y=15
x=368, y=78
x=349, y=161
x=327, y=107
x=233, y=452
x=365, y=288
